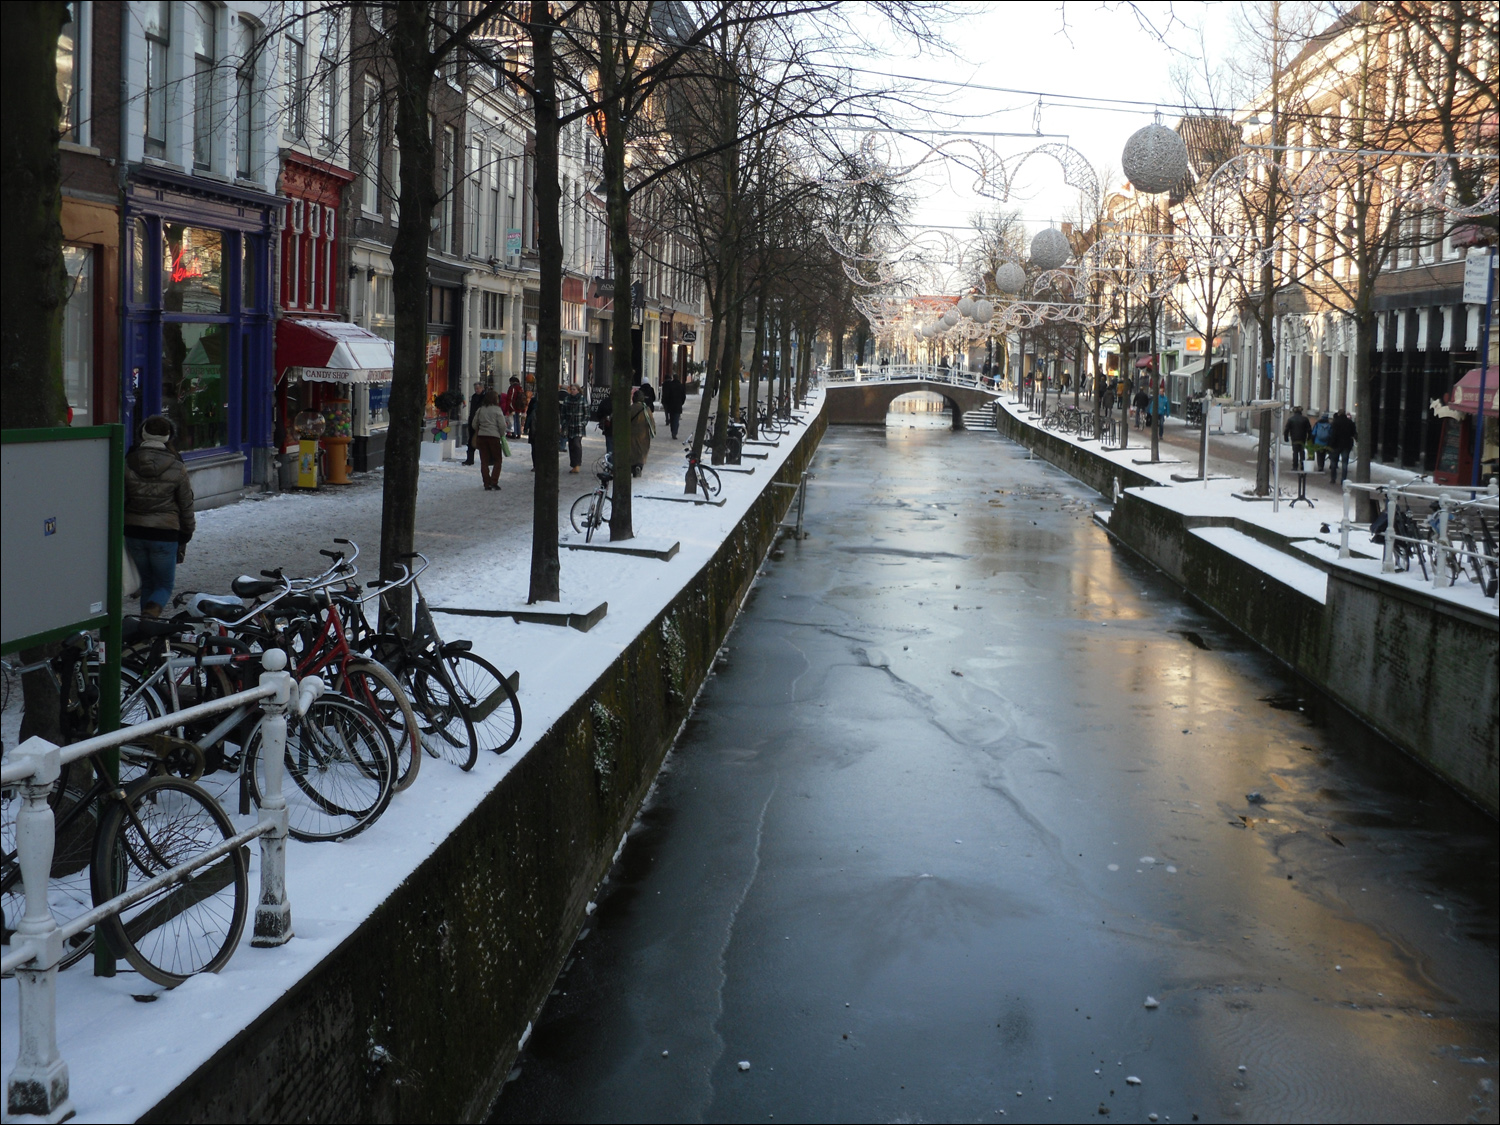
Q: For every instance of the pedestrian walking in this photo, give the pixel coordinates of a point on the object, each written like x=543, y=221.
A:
x=1163, y=408
x=530, y=429
x=1342, y=434
x=514, y=405
x=159, y=518
x=1140, y=403
x=476, y=400
x=642, y=429
x=489, y=426
x=648, y=396
x=1297, y=430
x=673, y=398
x=604, y=418
x=1320, y=438
x=572, y=421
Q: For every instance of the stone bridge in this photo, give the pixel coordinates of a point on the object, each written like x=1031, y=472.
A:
x=866, y=402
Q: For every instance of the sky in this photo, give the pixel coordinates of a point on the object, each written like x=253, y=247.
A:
x=1081, y=48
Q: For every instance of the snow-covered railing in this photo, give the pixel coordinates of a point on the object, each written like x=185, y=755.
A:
x=38, y=1084
x=905, y=372
x=1452, y=501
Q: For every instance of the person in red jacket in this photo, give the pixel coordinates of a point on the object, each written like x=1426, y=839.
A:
x=514, y=405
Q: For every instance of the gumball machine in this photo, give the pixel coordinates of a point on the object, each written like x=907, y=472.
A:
x=336, y=438
x=309, y=425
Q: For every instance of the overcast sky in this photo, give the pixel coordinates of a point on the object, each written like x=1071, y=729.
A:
x=1081, y=48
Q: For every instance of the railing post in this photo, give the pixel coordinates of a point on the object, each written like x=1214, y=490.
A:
x=273, y=916
x=801, y=507
x=1441, y=571
x=38, y=1085
x=1388, y=558
x=1343, y=527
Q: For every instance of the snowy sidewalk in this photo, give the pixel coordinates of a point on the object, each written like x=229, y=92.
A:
x=1304, y=534
x=125, y=1055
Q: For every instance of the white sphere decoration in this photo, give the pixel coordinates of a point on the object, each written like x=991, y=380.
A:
x=1155, y=159
x=951, y=317
x=984, y=311
x=966, y=305
x=1009, y=278
x=1050, y=249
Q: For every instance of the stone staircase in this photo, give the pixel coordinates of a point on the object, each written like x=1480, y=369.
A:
x=981, y=419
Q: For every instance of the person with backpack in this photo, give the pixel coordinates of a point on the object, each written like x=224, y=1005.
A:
x=1320, y=438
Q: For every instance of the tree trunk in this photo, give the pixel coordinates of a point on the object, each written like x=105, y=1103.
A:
x=757, y=364
x=710, y=385
x=1364, y=443
x=546, y=573
x=408, y=401
x=34, y=280
x=729, y=388
x=612, y=85
x=784, y=390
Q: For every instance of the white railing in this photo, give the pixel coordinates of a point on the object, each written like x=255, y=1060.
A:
x=1451, y=501
x=903, y=372
x=38, y=1084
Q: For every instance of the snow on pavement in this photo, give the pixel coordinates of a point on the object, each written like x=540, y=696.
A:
x=124, y=1055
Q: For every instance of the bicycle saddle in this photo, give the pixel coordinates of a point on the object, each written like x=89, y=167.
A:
x=247, y=587
x=138, y=628
x=206, y=605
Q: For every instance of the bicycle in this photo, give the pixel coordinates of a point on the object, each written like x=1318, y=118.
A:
x=111, y=836
x=339, y=756
x=448, y=676
x=705, y=477
x=592, y=510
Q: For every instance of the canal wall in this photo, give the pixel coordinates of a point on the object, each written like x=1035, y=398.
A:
x=1422, y=672
x=419, y=1014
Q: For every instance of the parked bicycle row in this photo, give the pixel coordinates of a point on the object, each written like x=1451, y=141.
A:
x=399, y=693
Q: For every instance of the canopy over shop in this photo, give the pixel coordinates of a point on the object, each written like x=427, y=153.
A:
x=318, y=362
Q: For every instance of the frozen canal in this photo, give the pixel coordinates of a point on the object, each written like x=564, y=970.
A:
x=968, y=788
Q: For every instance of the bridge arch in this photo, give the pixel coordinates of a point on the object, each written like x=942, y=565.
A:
x=866, y=403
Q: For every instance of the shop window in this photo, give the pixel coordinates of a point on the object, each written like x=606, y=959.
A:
x=194, y=383
x=78, y=333
x=437, y=366
x=192, y=269
x=138, y=279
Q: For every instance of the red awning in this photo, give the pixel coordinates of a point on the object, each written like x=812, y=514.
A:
x=1465, y=393
x=331, y=351
x=1146, y=361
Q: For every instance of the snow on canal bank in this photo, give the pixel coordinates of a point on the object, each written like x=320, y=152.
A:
x=128, y=1043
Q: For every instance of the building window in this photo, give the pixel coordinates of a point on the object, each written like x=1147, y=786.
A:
x=328, y=86
x=296, y=76
x=450, y=187
x=158, y=23
x=472, y=194
x=73, y=74
x=203, y=85
x=78, y=333
x=370, y=182
x=245, y=98
x=192, y=269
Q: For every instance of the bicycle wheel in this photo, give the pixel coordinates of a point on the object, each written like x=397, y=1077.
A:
x=339, y=770
x=69, y=892
x=708, y=481
x=492, y=706
x=373, y=685
x=192, y=925
x=582, y=515
x=448, y=732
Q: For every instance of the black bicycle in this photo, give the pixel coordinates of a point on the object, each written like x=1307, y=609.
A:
x=592, y=510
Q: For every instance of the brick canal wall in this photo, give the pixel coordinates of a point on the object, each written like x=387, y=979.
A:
x=418, y=1014
x=1422, y=672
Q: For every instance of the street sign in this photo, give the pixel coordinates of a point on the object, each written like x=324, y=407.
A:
x=1477, y=268
x=56, y=547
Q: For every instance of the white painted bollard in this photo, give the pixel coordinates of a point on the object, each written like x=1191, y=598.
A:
x=38, y=1084
x=1442, y=575
x=1388, y=559
x=1344, y=526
